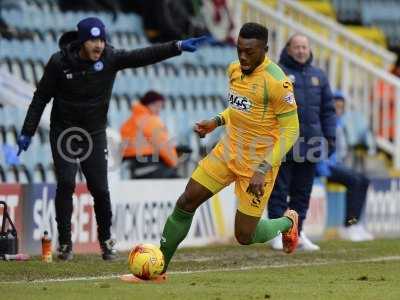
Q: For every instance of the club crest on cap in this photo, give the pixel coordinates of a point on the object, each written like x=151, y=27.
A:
x=98, y=66
x=95, y=31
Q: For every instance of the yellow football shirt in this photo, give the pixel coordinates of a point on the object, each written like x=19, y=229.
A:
x=256, y=102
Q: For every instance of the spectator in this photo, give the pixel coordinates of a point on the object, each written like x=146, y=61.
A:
x=385, y=94
x=146, y=141
x=356, y=183
x=317, y=124
x=356, y=133
x=219, y=21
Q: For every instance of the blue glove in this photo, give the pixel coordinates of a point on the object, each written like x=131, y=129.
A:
x=323, y=169
x=23, y=143
x=332, y=160
x=192, y=44
x=331, y=146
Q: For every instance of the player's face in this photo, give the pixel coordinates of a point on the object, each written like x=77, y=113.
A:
x=339, y=106
x=251, y=53
x=299, y=49
x=93, y=49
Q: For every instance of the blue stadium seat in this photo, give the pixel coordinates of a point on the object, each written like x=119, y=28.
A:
x=114, y=117
x=50, y=174
x=3, y=176
x=11, y=175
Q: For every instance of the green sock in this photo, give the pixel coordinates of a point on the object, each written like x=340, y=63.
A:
x=267, y=229
x=175, y=230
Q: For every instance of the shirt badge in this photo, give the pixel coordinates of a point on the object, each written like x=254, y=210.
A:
x=98, y=66
x=315, y=81
x=95, y=31
x=289, y=98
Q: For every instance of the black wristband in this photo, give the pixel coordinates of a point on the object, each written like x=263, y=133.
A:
x=219, y=120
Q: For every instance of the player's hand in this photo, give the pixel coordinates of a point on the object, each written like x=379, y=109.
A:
x=204, y=127
x=191, y=45
x=23, y=143
x=257, y=184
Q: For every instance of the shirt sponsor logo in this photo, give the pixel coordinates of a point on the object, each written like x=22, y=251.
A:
x=289, y=98
x=239, y=102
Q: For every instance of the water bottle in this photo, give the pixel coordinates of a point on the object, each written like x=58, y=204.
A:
x=46, y=248
x=19, y=256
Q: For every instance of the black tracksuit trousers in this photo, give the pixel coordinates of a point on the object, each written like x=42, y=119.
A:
x=91, y=150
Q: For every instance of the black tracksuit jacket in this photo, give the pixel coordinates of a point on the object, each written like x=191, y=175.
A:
x=82, y=89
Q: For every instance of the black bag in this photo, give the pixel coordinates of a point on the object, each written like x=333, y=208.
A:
x=8, y=237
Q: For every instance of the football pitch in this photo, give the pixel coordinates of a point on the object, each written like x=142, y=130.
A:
x=341, y=270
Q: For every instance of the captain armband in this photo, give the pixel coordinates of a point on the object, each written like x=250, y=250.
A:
x=220, y=120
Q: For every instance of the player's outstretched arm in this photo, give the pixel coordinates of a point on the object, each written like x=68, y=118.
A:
x=154, y=54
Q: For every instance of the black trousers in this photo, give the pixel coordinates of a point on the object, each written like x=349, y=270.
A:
x=295, y=180
x=356, y=194
x=92, y=154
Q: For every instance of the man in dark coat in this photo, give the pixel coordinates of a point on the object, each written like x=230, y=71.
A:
x=80, y=78
x=317, y=135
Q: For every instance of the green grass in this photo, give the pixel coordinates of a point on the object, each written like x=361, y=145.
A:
x=341, y=270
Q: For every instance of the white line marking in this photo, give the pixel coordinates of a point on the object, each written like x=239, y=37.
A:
x=246, y=268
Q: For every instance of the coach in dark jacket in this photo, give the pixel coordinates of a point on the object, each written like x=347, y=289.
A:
x=317, y=133
x=80, y=78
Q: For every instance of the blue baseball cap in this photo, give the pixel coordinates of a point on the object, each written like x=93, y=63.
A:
x=91, y=28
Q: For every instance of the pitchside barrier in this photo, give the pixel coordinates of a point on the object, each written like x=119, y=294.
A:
x=140, y=209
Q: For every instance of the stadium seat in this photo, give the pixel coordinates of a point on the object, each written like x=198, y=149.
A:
x=3, y=177
x=24, y=175
x=50, y=173
x=12, y=174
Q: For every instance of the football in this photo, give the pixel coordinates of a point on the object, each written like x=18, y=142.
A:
x=146, y=261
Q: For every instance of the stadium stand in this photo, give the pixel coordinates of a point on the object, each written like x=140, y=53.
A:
x=194, y=85
x=382, y=14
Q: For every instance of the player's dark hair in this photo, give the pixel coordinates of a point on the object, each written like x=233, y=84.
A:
x=254, y=31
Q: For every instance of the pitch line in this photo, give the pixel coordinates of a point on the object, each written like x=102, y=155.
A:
x=245, y=268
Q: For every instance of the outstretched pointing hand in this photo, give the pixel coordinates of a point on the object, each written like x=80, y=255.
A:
x=23, y=143
x=191, y=45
